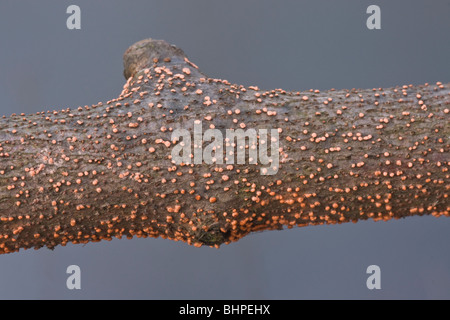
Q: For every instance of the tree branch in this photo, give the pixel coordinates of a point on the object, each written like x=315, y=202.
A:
x=106, y=170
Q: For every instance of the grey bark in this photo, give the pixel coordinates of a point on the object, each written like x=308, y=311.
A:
x=96, y=172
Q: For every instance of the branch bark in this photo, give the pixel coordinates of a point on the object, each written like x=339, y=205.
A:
x=103, y=171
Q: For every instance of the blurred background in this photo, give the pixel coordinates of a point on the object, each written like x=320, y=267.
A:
x=294, y=45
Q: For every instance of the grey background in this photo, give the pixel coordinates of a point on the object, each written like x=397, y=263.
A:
x=294, y=45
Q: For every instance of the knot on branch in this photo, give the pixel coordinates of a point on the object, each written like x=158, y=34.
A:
x=147, y=52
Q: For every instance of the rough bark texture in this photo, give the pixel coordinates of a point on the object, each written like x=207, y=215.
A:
x=103, y=171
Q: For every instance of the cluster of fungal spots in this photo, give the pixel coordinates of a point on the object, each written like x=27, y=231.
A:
x=102, y=171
